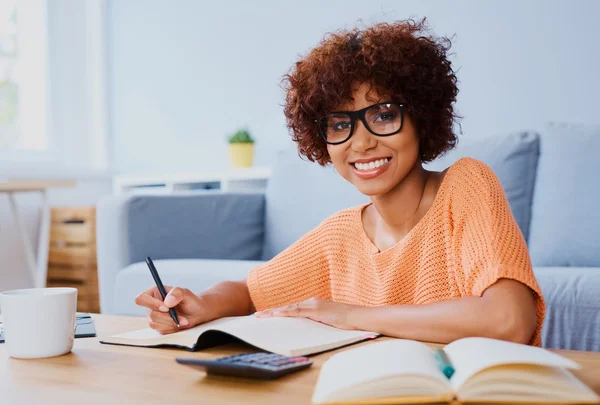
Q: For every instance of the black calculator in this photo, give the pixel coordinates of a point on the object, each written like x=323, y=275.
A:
x=264, y=366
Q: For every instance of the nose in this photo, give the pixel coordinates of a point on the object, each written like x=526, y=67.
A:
x=362, y=140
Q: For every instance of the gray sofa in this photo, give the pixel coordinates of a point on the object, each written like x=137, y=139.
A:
x=201, y=238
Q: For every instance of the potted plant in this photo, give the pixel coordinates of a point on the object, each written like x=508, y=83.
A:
x=241, y=149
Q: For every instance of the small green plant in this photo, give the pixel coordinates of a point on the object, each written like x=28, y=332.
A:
x=241, y=136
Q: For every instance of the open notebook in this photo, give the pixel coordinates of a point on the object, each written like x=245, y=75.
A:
x=286, y=336
x=487, y=370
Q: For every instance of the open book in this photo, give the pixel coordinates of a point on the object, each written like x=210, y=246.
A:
x=286, y=336
x=486, y=370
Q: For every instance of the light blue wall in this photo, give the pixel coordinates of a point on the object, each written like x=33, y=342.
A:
x=186, y=73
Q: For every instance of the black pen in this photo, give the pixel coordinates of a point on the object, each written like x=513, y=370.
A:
x=161, y=287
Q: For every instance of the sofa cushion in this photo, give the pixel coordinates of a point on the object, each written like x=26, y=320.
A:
x=565, y=225
x=572, y=307
x=300, y=194
x=209, y=225
x=513, y=158
x=195, y=274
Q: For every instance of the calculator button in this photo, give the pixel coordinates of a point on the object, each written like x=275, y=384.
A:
x=243, y=363
x=253, y=365
x=269, y=367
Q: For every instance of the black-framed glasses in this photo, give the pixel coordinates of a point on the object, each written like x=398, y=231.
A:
x=382, y=119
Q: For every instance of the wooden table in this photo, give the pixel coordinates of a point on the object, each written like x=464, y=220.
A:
x=105, y=374
x=37, y=266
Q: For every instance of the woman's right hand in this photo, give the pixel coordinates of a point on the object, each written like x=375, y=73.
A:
x=187, y=305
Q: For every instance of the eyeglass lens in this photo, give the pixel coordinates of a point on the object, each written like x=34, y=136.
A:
x=381, y=119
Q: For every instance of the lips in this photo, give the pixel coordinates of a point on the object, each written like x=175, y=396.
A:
x=369, y=164
x=370, y=168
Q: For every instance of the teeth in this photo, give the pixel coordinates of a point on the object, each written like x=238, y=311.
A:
x=371, y=165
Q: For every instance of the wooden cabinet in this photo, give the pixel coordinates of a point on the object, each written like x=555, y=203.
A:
x=72, y=254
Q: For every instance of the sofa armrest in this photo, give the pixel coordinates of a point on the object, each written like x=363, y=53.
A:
x=111, y=246
x=191, y=225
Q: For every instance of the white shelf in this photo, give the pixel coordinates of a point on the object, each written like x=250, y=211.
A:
x=249, y=179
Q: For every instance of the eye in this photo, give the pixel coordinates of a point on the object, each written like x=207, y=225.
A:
x=385, y=116
x=340, y=125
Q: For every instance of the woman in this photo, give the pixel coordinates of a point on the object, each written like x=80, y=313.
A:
x=435, y=256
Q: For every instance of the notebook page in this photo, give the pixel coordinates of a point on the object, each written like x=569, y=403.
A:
x=471, y=355
x=144, y=336
x=377, y=361
x=287, y=335
x=141, y=334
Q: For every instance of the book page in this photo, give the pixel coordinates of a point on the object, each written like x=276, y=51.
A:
x=471, y=355
x=379, y=361
x=150, y=337
x=287, y=336
x=291, y=336
x=526, y=383
x=141, y=334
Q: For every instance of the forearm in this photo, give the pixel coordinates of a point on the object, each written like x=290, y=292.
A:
x=229, y=298
x=447, y=321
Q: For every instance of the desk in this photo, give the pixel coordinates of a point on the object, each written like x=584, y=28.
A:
x=37, y=266
x=105, y=374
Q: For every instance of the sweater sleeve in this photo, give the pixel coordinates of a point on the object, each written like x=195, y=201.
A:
x=298, y=273
x=488, y=244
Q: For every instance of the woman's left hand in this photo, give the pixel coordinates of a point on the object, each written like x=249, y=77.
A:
x=328, y=312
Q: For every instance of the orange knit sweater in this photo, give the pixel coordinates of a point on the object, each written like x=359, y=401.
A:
x=467, y=240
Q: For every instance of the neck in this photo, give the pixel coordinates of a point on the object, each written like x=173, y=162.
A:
x=398, y=207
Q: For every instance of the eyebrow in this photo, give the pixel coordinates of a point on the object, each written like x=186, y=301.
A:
x=382, y=101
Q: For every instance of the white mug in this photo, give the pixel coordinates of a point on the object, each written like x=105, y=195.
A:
x=39, y=322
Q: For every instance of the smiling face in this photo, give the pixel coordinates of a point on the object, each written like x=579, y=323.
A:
x=375, y=164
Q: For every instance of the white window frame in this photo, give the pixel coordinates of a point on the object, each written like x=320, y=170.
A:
x=98, y=95
x=34, y=91
x=71, y=153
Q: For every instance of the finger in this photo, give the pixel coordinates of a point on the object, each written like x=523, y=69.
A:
x=167, y=326
x=267, y=312
x=146, y=300
x=174, y=297
x=154, y=293
x=292, y=310
x=305, y=309
x=161, y=327
x=160, y=317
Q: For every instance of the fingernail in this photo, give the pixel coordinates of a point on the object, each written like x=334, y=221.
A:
x=170, y=300
x=183, y=321
x=163, y=308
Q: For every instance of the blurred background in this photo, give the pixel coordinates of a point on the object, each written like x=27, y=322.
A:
x=115, y=92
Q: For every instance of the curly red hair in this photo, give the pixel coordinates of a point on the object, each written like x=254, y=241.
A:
x=402, y=61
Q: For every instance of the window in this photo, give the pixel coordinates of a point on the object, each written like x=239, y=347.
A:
x=8, y=85
x=53, y=87
x=24, y=125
